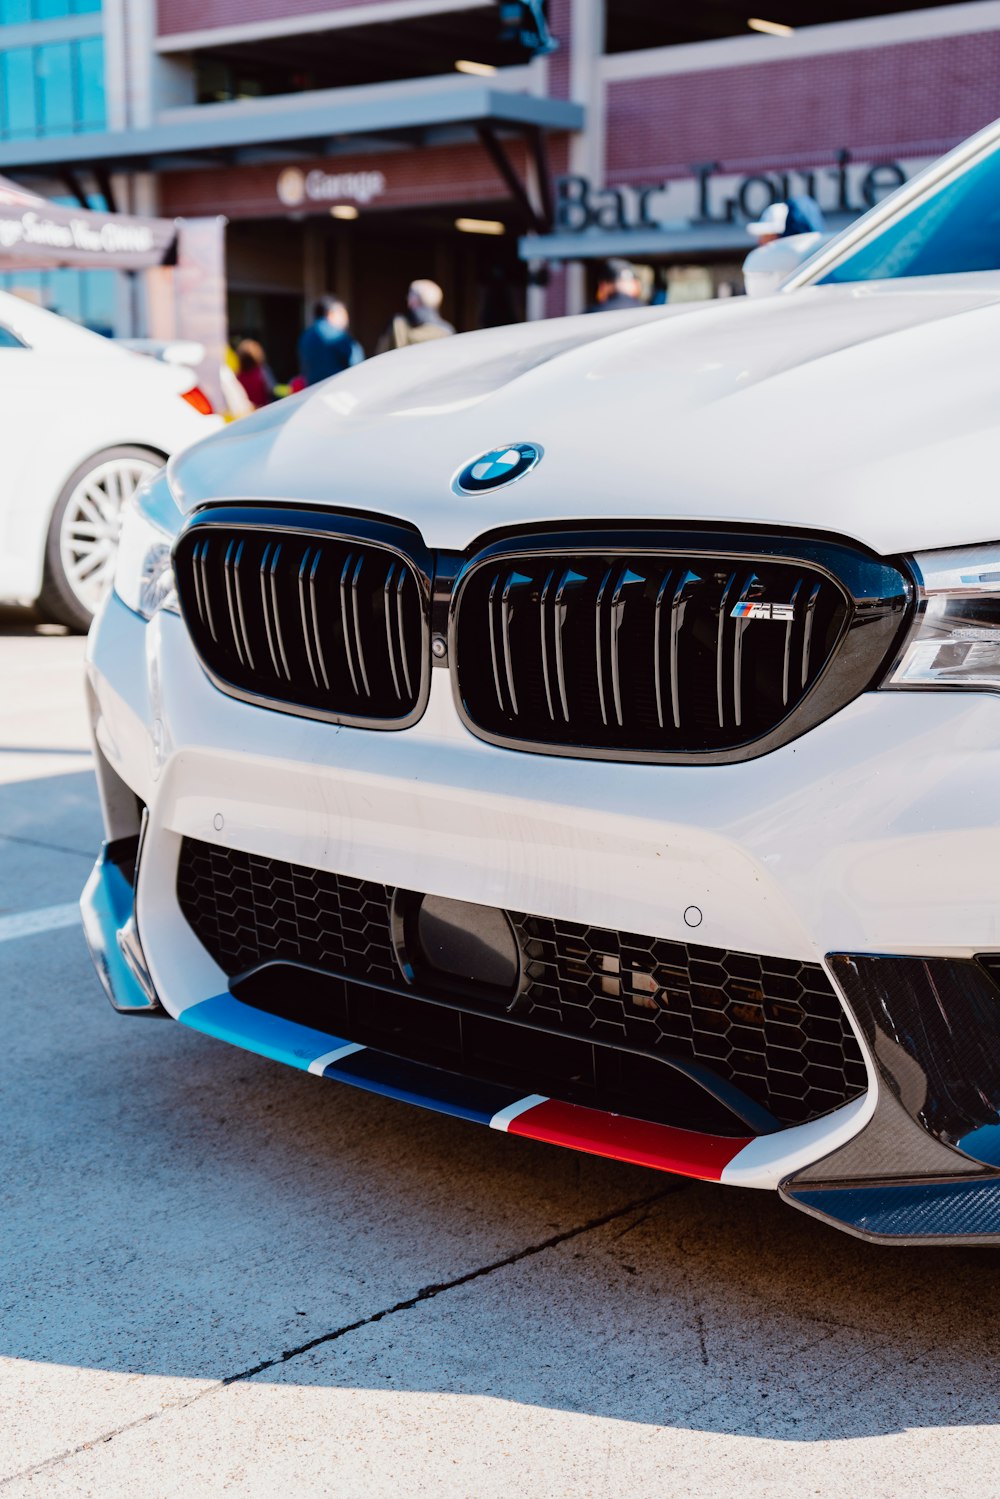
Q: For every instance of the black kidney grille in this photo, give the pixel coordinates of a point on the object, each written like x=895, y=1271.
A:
x=642, y=652
x=772, y=1027
x=325, y=624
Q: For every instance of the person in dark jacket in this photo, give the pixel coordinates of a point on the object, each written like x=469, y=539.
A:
x=421, y=322
x=326, y=347
x=618, y=287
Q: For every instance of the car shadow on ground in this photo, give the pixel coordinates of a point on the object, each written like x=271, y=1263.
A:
x=175, y=1207
x=180, y=1208
x=25, y=621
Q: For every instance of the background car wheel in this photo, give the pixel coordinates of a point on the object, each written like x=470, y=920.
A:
x=83, y=534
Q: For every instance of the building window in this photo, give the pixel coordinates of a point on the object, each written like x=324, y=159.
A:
x=86, y=297
x=89, y=84
x=19, y=12
x=53, y=89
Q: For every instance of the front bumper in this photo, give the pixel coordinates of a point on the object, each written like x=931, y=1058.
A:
x=872, y=834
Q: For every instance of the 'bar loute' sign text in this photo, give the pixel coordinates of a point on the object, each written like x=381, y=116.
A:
x=710, y=197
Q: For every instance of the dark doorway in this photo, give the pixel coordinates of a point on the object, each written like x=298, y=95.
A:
x=274, y=319
x=276, y=267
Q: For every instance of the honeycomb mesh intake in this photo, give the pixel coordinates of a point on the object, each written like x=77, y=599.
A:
x=773, y=1027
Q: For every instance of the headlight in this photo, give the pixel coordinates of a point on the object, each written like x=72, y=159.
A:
x=144, y=577
x=954, y=641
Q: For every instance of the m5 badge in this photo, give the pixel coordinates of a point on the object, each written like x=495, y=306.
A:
x=747, y=610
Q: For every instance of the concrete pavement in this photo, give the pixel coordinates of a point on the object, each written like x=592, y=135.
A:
x=221, y=1276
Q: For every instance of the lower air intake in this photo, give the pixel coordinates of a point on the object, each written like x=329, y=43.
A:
x=590, y=1000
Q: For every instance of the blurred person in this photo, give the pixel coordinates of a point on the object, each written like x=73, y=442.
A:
x=618, y=287
x=421, y=322
x=253, y=374
x=237, y=402
x=771, y=224
x=327, y=347
x=786, y=234
x=661, y=288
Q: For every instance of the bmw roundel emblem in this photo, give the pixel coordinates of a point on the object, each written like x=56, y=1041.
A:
x=497, y=467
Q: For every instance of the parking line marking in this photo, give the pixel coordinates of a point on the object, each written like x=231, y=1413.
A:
x=45, y=919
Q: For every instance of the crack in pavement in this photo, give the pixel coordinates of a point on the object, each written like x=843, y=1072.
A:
x=56, y=848
x=427, y=1293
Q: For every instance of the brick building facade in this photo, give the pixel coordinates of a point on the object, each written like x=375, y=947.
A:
x=352, y=144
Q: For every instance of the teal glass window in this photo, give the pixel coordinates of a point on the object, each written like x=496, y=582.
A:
x=89, y=84
x=54, y=75
x=19, y=12
x=87, y=297
x=53, y=89
x=18, y=109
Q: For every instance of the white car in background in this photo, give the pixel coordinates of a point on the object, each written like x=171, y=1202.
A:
x=83, y=424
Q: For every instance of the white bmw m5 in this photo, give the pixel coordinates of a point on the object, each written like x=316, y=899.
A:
x=592, y=729
x=83, y=424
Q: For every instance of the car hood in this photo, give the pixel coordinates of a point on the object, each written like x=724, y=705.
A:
x=872, y=411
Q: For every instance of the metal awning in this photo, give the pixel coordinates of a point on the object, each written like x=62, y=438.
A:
x=215, y=134
x=678, y=238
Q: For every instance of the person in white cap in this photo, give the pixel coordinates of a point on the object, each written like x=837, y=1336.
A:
x=786, y=234
x=771, y=224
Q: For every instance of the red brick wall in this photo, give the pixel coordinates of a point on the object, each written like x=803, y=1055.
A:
x=196, y=15
x=555, y=292
x=560, y=24
x=911, y=99
x=560, y=14
x=437, y=174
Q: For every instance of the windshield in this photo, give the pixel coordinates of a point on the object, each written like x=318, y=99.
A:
x=956, y=228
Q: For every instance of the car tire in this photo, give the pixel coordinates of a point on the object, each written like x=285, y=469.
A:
x=83, y=533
